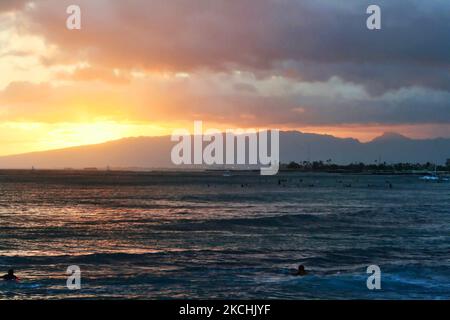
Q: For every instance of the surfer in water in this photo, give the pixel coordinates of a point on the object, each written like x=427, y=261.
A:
x=301, y=271
x=10, y=276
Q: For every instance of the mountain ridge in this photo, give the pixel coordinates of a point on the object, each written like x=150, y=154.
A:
x=154, y=152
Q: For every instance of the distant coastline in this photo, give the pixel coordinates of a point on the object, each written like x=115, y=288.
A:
x=304, y=167
x=353, y=168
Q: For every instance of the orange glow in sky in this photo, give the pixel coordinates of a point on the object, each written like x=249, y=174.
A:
x=61, y=88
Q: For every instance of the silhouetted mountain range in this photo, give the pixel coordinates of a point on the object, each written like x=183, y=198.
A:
x=154, y=152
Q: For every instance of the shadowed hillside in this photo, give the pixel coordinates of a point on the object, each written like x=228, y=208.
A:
x=154, y=152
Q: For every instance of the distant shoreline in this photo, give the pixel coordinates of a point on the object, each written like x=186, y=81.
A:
x=283, y=170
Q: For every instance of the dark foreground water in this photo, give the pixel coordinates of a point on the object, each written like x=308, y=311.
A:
x=203, y=235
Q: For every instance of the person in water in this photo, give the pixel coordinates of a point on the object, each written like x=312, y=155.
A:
x=10, y=276
x=301, y=271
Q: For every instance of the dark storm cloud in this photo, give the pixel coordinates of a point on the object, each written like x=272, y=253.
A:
x=407, y=106
x=414, y=106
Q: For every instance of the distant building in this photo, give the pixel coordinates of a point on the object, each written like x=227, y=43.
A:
x=448, y=163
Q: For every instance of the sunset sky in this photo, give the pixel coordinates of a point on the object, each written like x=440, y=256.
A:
x=147, y=67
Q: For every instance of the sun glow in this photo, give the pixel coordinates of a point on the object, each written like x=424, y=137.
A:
x=30, y=137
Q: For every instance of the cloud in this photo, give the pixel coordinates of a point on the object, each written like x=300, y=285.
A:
x=12, y=5
x=95, y=74
x=221, y=99
x=43, y=102
x=309, y=40
x=247, y=63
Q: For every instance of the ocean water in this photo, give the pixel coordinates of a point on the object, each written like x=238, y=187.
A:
x=203, y=235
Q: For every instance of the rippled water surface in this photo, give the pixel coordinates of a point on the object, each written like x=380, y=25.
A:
x=203, y=235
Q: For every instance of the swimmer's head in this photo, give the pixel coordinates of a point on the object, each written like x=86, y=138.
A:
x=10, y=272
x=301, y=268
